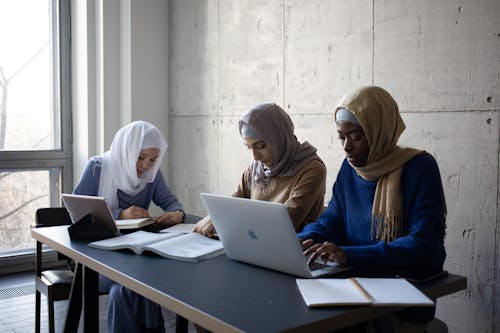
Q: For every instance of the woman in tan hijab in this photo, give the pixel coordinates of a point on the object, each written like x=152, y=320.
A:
x=387, y=212
x=283, y=170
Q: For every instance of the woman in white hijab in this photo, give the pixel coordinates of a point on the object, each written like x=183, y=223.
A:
x=128, y=176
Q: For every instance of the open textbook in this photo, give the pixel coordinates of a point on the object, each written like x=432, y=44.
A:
x=176, y=244
x=361, y=291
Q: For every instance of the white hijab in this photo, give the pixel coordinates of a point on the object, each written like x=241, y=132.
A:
x=119, y=170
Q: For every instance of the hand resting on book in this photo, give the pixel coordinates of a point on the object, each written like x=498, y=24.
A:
x=164, y=220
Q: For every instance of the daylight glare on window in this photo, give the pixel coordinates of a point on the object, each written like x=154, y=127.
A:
x=34, y=155
x=29, y=119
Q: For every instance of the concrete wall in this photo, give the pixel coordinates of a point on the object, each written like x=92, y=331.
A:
x=439, y=59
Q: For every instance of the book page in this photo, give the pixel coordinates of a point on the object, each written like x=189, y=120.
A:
x=133, y=241
x=180, y=227
x=393, y=291
x=134, y=223
x=191, y=247
x=325, y=292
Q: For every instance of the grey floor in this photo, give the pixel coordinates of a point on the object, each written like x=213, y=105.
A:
x=17, y=307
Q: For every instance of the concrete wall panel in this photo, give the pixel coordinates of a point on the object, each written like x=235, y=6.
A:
x=193, y=168
x=468, y=164
x=250, y=54
x=328, y=51
x=320, y=131
x=233, y=155
x=439, y=55
x=193, y=61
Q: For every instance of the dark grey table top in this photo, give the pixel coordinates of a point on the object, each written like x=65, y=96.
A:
x=221, y=294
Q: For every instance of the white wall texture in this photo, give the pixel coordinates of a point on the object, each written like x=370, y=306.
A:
x=439, y=59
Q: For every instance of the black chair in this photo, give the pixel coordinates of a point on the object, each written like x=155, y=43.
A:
x=54, y=284
x=437, y=326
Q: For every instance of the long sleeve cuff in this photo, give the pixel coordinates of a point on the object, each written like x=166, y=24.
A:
x=365, y=256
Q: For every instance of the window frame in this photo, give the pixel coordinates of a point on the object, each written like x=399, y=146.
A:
x=30, y=160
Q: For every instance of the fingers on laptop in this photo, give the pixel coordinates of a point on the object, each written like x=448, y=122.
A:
x=327, y=251
x=306, y=243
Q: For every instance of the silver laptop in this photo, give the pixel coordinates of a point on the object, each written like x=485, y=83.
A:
x=80, y=205
x=261, y=233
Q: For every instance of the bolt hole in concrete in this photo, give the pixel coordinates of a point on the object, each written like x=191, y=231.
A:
x=488, y=121
x=488, y=99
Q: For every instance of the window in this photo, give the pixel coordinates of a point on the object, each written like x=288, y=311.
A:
x=35, y=115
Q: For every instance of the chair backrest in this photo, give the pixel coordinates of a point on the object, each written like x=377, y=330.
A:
x=53, y=216
x=50, y=217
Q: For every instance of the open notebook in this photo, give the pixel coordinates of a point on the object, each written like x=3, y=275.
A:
x=361, y=291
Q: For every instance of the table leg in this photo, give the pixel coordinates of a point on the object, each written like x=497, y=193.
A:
x=181, y=324
x=90, y=301
x=75, y=302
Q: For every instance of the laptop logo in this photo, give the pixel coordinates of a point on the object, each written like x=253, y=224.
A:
x=252, y=234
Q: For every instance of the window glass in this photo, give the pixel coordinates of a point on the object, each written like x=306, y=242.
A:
x=22, y=193
x=29, y=118
x=35, y=117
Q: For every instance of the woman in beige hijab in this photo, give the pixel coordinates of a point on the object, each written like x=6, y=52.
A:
x=387, y=212
x=283, y=169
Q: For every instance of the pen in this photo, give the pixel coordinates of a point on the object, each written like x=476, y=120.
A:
x=361, y=289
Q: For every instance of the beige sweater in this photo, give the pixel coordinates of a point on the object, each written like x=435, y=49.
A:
x=303, y=194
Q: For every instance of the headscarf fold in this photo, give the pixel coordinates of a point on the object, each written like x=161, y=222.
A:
x=273, y=125
x=119, y=171
x=379, y=117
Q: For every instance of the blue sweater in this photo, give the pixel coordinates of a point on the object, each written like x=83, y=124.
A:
x=157, y=191
x=347, y=220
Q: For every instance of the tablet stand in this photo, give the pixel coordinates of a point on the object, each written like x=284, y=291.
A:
x=88, y=228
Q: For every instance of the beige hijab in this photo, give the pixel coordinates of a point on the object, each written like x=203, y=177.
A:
x=379, y=117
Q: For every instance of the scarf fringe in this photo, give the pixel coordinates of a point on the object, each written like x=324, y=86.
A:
x=386, y=228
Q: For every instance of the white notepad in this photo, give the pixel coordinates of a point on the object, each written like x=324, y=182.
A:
x=361, y=291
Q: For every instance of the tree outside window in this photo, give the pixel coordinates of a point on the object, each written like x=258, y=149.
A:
x=34, y=146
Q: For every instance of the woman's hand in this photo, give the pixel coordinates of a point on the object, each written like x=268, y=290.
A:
x=168, y=219
x=327, y=251
x=205, y=227
x=305, y=243
x=133, y=212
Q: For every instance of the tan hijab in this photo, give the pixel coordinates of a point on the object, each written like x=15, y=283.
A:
x=379, y=117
